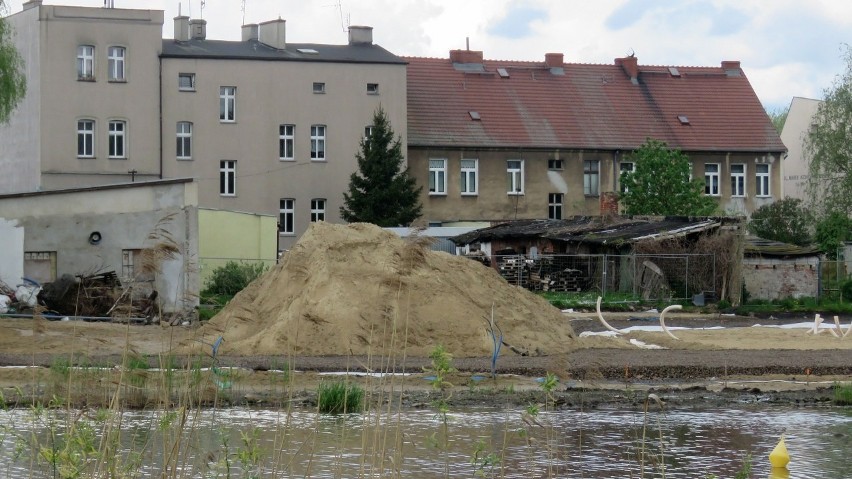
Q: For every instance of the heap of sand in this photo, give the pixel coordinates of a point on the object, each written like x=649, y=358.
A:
x=361, y=290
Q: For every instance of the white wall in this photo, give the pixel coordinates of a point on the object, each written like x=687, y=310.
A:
x=11, y=252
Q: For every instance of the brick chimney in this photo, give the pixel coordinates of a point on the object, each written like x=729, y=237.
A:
x=630, y=65
x=198, y=29
x=466, y=56
x=732, y=68
x=360, y=35
x=249, y=32
x=553, y=60
x=272, y=33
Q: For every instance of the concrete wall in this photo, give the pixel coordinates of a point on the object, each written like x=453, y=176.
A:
x=11, y=252
x=769, y=279
x=231, y=236
x=795, y=130
x=124, y=216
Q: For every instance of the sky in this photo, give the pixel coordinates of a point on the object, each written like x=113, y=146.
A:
x=787, y=48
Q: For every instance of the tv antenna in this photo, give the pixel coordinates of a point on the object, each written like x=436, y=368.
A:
x=344, y=24
x=243, y=9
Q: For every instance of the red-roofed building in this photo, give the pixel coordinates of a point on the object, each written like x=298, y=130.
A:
x=496, y=140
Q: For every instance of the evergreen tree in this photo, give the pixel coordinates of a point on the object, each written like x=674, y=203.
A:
x=13, y=83
x=381, y=191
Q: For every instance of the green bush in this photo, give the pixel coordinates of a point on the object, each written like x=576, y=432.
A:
x=339, y=397
x=843, y=394
x=232, y=278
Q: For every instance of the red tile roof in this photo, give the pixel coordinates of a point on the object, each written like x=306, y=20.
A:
x=588, y=107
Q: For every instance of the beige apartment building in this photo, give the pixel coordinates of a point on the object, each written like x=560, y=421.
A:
x=262, y=125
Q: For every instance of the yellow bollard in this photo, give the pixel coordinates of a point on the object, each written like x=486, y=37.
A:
x=779, y=458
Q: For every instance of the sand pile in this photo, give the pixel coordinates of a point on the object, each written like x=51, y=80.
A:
x=360, y=290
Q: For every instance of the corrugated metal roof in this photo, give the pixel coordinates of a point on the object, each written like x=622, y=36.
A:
x=255, y=50
x=587, y=107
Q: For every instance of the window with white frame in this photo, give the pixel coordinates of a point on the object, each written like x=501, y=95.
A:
x=554, y=206
x=186, y=81
x=85, y=138
x=286, y=142
x=184, y=140
x=711, y=179
x=591, y=177
x=317, y=210
x=515, y=177
x=469, y=176
x=227, y=104
x=318, y=142
x=738, y=176
x=228, y=178
x=437, y=176
x=117, y=139
x=286, y=215
x=368, y=132
x=115, y=63
x=86, y=62
x=625, y=168
x=762, y=177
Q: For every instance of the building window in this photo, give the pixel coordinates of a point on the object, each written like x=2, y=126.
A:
x=286, y=214
x=319, y=87
x=318, y=142
x=184, y=140
x=228, y=178
x=591, y=177
x=554, y=164
x=469, y=174
x=368, y=132
x=515, y=177
x=86, y=62
x=437, y=176
x=711, y=179
x=554, y=206
x=115, y=56
x=762, y=178
x=286, y=139
x=227, y=104
x=738, y=176
x=186, y=81
x=117, y=139
x=85, y=138
x=372, y=88
x=625, y=168
x=317, y=210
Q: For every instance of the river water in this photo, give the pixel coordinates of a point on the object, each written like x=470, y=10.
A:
x=511, y=443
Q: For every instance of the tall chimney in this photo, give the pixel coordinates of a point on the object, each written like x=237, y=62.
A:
x=272, y=33
x=360, y=35
x=182, y=28
x=630, y=65
x=249, y=32
x=198, y=29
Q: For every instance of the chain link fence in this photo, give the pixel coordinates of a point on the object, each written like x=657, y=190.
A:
x=649, y=277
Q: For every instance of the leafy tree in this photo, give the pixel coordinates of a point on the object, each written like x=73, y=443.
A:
x=381, y=191
x=660, y=184
x=778, y=118
x=828, y=148
x=786, y=220
x=13, y=83
x=832, y=231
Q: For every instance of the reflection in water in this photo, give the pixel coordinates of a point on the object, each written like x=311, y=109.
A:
x=421, y=443
x=779, y=473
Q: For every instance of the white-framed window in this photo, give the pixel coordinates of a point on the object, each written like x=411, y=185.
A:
x=625, y=168
x=738, y=177
x=117, y=139
x=469, y=176
x=319, y=87
x=86, y=62
x=85, y=138
x=554, y=164
x=186, y=81
x=286, y=216
x=318, y=142
x=711, y=179
x=515, y=177
x=184, y=140
x=368, y=132
x=286, y=142
x=115, y=63
x=762, y=177
x=227, y=104
x=317, y=210
x=437, y=176
x=554, y=206
x=372, y=88
x=591, y=177
x=228, y=178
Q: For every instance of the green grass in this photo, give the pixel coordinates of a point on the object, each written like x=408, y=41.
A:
x=843, y=394
x=339, y=397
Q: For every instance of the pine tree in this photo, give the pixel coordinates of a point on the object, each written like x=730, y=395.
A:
x=381, y=191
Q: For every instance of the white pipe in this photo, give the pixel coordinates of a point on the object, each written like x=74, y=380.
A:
x=663, y=321
x=600, y=316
